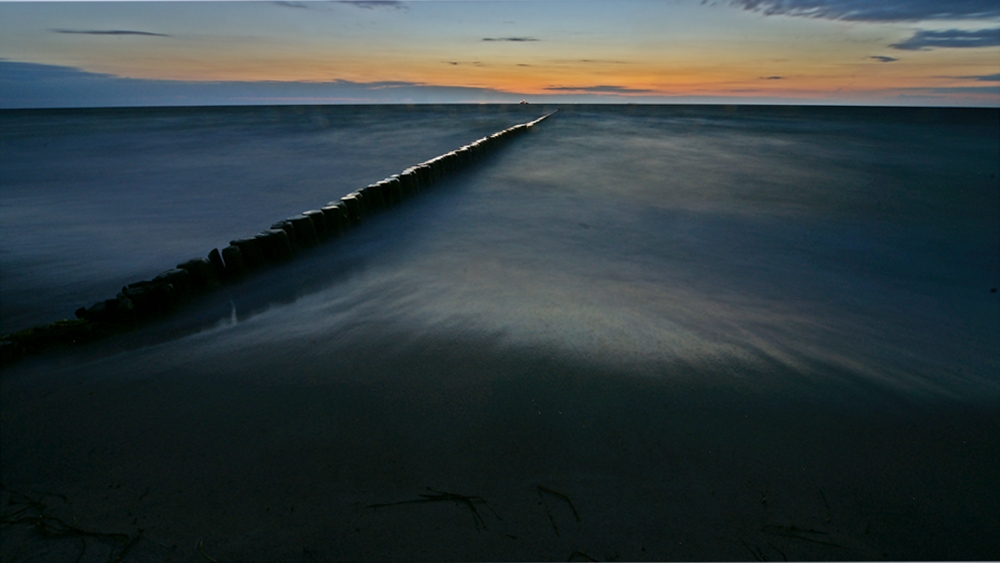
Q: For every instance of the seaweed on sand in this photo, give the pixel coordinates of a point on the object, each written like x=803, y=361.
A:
x=442, y=496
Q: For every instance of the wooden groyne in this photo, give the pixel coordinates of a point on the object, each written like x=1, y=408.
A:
x=145, y=300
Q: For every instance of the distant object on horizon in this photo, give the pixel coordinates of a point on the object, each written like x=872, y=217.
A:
x=524, y=102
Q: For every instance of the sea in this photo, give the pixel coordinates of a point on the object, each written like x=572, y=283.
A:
x=669, y=331
x=867, y=239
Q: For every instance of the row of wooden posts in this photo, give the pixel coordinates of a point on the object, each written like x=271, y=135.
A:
x=275, y=245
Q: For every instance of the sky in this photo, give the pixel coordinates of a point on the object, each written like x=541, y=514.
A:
x=884, y=52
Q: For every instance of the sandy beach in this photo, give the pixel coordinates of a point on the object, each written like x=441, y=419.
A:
x=221, y=456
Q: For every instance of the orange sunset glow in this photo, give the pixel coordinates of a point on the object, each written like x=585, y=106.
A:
x=598, y=51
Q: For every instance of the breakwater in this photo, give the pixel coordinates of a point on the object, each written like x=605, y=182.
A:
x=281, y=242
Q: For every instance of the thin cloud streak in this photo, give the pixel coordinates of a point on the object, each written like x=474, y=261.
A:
x=287, y=4
x=511, y=39
x=600, y=89
x=995, y=90
x=980, y=77
x=108, y=32
x=883, y=58
x=373, y=4
x=953, y=38
x=590, y=61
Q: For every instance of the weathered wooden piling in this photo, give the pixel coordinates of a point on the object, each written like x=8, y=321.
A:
x=276, y=244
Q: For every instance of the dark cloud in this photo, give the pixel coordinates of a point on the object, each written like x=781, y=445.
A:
x=981, y=77
x=601, y=89
x=12, y=72
x=953, y=38
x=298, y=5
x=372, y=4
x=108, y=32
x=883, y=58
x=512, y=39
x=772, y=77
x=29, y=85
x=875, y=10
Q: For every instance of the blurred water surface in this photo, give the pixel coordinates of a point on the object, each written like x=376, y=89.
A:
x=853, y=243
x=93, y=199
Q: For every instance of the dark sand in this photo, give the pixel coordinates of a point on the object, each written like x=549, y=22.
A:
x=252, y=461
